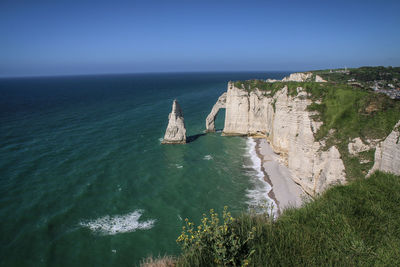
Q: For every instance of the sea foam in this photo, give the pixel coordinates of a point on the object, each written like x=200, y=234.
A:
x=258, y=196
x=208, y=157
x=111, y=225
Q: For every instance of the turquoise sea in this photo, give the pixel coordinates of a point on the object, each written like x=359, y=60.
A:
x=84, y=180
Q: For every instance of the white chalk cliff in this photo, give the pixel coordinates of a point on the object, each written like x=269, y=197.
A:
x=319, y=79
x=387, y=153
x=176, y=131
x=289, y=128
x=298, y=77
x=287, y=125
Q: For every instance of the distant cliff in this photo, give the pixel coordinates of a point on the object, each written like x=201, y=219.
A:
x=291, y=118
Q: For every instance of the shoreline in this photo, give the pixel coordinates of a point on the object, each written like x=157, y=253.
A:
x=271, y=193
x=284, y=191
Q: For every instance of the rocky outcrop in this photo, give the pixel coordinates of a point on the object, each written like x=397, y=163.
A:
x=357, y=146
x=210, y=120
x=319, y=79
x=287, y=125
x=298, y=77
x=387, y=153
x=176, y=131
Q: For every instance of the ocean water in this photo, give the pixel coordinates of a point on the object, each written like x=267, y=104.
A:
x=84, y=180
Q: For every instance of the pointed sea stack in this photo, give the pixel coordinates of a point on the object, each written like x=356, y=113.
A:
x=176, y=131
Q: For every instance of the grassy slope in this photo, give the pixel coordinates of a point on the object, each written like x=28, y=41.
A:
x=349, y=112
x=353, y=225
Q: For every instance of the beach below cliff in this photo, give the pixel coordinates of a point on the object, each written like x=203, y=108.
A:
x=285, y=192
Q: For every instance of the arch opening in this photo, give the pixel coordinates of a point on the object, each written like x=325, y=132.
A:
x=210, y=120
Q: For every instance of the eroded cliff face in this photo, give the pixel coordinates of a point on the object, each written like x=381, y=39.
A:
x=387, y=153
x=287, y=125
x=210, y=120
x=300, y=77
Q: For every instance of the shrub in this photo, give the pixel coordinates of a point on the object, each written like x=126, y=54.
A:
x=212, y=242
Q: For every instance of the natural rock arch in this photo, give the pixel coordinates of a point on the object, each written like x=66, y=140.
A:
x=210, y=120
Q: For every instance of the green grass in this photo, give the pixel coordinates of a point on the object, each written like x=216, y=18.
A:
x=271, y=88
x=353, y=225
x=348, y=112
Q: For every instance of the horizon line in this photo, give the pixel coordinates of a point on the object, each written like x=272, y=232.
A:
x=172, y=72
x=130, y=73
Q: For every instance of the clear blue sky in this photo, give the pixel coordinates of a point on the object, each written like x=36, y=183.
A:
x=77, y=37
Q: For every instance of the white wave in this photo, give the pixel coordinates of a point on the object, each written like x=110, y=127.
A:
x=208, y=157
x=258, y=196
x=160, y=139
x=178, y=166
x=256, y=161
x=111, y=225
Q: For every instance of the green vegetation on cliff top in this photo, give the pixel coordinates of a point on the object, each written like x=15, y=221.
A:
x=361, y=75
x=352, y=225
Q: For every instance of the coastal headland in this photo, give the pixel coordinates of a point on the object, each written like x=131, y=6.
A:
x=310, y=126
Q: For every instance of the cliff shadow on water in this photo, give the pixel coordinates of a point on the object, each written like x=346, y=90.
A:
x=194, y=137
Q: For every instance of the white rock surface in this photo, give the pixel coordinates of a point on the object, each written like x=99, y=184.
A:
x=298, y=77
x=319, y=79
x=237, y=119
x=176, y=131
x=357, y=145
x=288, y=127
x=387, y=153
x=210, y=120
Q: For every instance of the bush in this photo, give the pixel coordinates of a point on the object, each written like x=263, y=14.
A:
x=212, y=242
